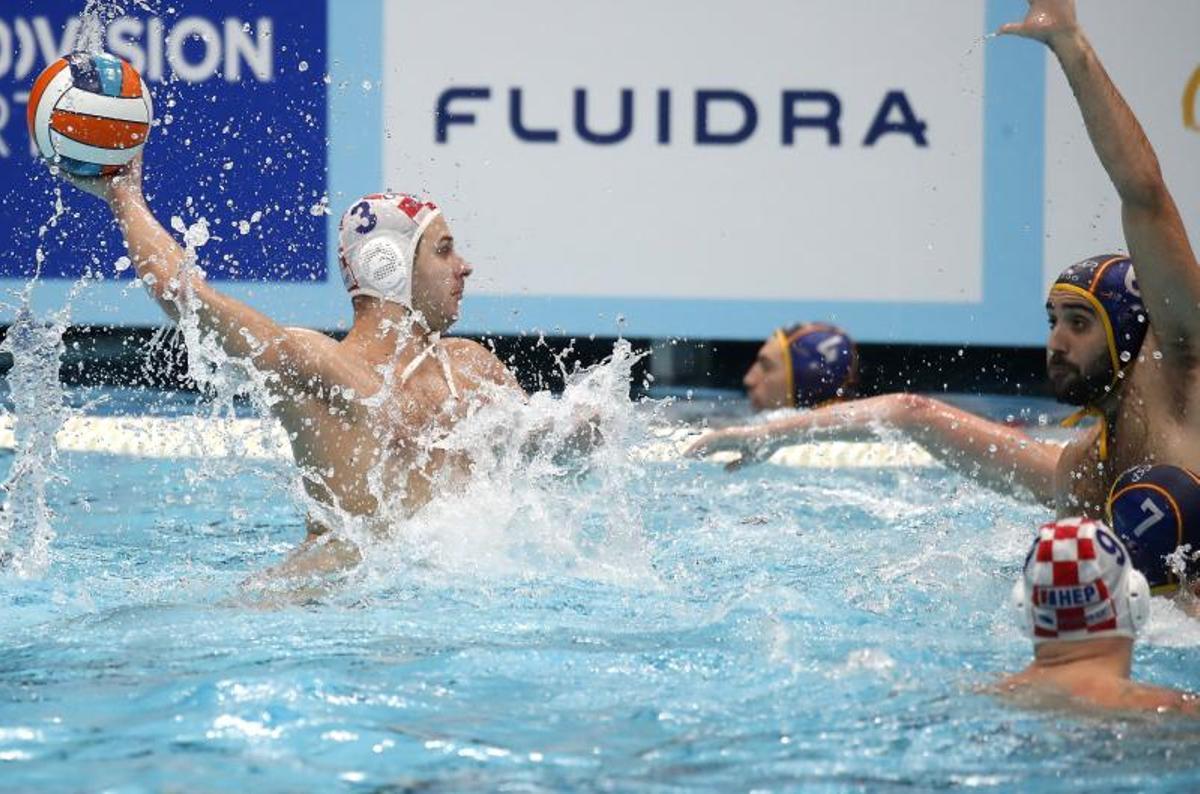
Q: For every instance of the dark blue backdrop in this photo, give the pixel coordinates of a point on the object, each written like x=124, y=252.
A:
x=247, y=154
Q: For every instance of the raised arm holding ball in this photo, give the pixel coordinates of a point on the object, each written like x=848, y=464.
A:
x=363, y=415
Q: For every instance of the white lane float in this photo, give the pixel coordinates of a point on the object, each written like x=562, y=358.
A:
x=259, y=439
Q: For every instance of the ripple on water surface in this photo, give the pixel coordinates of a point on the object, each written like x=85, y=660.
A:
x=768, y=628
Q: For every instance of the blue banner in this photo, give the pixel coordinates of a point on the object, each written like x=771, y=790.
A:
x=240, y=96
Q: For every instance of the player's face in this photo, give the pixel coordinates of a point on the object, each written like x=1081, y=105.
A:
x=439, y=276
x=1077, y=358
x=766, y=381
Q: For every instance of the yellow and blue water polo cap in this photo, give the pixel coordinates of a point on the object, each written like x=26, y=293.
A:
x=1108, y=283
x=821, y=361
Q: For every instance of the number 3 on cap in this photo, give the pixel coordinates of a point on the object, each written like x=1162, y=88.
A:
x=363, y=210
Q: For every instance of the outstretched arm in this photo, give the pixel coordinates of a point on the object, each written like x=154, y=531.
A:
x=298, y=367
x=1158, y=243
x=998, y=456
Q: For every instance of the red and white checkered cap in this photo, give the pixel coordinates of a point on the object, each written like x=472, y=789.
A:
x=377, y=244
x=1077, y=583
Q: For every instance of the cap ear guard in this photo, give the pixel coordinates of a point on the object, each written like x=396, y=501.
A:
x=1020, y=607
x=381, y=270
x=1138, y=598
x=381, y=264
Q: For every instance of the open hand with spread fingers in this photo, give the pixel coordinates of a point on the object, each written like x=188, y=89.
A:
x=1047, y=21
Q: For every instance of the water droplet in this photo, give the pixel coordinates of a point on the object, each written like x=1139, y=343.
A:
x=303, y=66
x=197, y=234
x=1126, y=356
x=1157, y=355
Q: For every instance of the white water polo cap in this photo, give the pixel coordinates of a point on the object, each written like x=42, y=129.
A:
x=377, y=244
x=1079, y=583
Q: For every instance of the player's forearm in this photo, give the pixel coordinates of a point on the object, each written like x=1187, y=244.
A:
x=1115, y=132
x=159, y=262
x=858, y=420
x=155, y=255
x=1001, y=457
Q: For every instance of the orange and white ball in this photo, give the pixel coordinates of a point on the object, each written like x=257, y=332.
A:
x=90, y=113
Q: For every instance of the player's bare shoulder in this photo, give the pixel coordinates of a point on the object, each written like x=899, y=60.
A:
x=343, y=382
x=308, y=336
x=477, y=365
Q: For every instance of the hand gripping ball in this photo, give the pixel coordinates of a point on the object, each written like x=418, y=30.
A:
x=89, y=113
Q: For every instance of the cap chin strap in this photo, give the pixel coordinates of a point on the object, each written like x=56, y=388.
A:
x=1113, y=354
x=435, y=349
x=1084, y=412
x=785, y=350
x=383, y=246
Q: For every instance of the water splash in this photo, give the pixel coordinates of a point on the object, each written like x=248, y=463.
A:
x=547, y=475
x=546, y=494
x=39, y=411
x=221, y=377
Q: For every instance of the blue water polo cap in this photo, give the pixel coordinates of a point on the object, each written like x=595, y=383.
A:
x=1155, y=510
x=821, y=362
x=1108, y=283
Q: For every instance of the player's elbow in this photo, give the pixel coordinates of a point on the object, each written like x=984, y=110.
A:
x=910, y=408
x=1147, y=195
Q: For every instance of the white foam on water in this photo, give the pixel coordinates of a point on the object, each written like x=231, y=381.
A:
x=541, y=499
x=1170, y=625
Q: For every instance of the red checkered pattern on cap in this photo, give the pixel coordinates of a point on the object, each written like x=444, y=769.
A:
x=1066, y=558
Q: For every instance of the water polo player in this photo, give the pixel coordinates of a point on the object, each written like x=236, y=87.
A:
x=363, y=415
x=1133, y=376
x=803, y=366
x=1156, y=512
x=1082, y=604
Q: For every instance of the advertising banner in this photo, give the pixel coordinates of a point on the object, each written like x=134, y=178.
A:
x=633, y=149
x=239, y=139
x=666, y=169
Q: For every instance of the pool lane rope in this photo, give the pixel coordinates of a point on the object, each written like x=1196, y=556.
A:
x=257, y=439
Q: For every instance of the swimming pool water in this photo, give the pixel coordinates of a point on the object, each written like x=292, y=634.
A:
x=768, y=629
